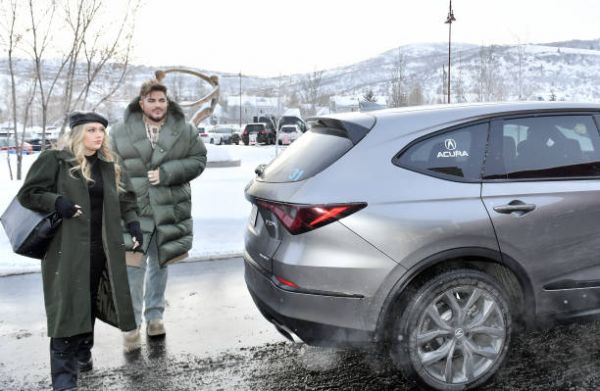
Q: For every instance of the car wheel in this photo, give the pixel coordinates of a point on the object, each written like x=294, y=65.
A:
x=212, y=141
x=454, y=332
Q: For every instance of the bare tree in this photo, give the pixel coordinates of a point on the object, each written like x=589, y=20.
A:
x=100, y=50
x=490, y=82
x=369, y=96
x=311, y=89
x=41, y=33
x=444, y=88
x=520, y=55
x=10, y=39
x=458, y=83
x=416, y=96
x=397, y=84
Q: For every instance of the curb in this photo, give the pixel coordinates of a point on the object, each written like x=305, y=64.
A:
x=211, y=258
x=204, y=258
x=225, y=163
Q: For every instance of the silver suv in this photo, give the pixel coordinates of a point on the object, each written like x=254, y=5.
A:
x=432, y=232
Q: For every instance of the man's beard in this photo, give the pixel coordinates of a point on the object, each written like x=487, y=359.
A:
x=155, y=118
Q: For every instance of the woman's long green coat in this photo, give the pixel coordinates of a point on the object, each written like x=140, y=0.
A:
x=66, y=266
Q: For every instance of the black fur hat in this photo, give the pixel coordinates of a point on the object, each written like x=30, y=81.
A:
x=78, y=118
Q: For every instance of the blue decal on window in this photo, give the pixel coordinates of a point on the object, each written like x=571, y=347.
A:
x=296, y=174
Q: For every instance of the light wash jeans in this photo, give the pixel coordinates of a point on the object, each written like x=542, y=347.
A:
x=150, y=295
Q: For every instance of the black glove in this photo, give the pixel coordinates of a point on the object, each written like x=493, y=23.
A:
x=136, y=232
x=65, y=207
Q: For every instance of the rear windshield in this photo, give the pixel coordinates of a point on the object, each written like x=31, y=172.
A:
x=309, y=155
x=291, y=121
x=288, y=129
x=254, y=128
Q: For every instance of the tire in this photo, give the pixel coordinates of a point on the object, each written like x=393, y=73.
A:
x=479, y=335
x=212, y=141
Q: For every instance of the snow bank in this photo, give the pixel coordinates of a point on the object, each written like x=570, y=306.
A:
x=219, y=208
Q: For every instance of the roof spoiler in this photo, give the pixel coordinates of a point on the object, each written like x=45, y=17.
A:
x=353, y=127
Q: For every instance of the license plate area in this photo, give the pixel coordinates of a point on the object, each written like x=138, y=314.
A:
x=253, y=216
x=260, y=244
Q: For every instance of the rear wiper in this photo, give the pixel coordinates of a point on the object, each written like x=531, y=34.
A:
x=260, y=170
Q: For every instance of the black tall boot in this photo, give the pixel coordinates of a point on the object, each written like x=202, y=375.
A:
x=84, y=352
x=63, y=363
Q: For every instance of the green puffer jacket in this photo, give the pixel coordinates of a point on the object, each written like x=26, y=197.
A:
x=180, y=155
x=66, y=265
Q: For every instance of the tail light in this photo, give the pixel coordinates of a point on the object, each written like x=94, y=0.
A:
x=204, y=134
x=298, y=219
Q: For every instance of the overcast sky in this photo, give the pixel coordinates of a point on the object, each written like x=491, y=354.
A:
x=272, y=37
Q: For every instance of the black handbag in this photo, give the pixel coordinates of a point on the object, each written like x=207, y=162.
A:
x=28, y=231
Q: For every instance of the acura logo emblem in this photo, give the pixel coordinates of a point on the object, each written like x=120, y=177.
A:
x=450, y=144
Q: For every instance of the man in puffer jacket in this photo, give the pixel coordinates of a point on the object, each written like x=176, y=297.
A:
x=162, y=153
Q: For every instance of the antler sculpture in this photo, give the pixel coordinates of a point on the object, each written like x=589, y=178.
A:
x=212, y=96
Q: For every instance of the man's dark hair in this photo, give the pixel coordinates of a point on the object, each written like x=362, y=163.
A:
x=151, y=86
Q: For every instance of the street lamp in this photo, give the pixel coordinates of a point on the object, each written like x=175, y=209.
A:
x=449, y=21
x=240, y=100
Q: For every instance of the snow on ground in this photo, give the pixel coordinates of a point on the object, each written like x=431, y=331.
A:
x=219, y=208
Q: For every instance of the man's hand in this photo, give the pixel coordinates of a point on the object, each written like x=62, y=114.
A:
x=154, y=177
x=137, y=236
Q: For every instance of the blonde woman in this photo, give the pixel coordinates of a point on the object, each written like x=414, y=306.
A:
x=83, y=272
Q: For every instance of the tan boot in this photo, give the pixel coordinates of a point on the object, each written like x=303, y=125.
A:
x=155, y=328
x=132, y=340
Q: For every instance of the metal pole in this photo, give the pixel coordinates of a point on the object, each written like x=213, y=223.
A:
x=240, y=101
x=449, y=21
x=449, y=51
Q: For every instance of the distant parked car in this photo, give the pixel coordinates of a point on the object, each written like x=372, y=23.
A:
x=8, y=144
x=219, y=135
x=236, y=137
x=36, y=144
x=268, y=120
x=288, y=134
x=202, y=132
x=257, y=133
x=292, y=117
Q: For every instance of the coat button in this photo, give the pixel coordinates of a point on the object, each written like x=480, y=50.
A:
x=162, y=150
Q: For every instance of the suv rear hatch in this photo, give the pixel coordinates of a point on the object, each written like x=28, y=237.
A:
x=271, y=191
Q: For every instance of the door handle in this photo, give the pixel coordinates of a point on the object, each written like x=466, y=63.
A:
x=514, y=206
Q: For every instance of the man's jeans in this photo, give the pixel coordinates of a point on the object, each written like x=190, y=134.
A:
x=151, y=294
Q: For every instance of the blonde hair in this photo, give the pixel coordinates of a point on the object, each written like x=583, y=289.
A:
x=73, y=142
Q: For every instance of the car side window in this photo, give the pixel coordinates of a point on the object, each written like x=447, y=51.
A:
x=558, y=146
x=457, y=154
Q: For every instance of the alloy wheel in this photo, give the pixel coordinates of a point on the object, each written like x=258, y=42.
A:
x=460, y=335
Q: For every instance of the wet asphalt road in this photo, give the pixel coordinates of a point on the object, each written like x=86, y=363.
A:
x=217, y=340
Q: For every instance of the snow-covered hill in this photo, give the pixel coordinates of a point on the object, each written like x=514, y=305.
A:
x=567, y=70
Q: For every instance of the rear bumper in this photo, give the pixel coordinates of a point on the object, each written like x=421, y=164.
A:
x=311, y=317
x=260, y=138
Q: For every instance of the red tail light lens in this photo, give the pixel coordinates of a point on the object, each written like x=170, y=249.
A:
x=204, y=134
x=285, y=282
x=303, y=218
